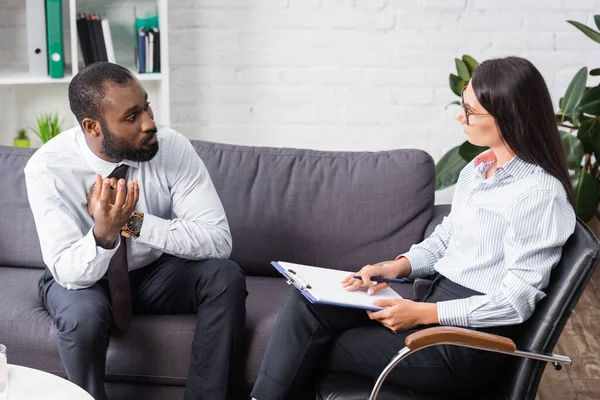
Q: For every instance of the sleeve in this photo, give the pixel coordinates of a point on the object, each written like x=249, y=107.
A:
x=199, y=229
x=71, y=254
x=538, y=227
x=423, y=256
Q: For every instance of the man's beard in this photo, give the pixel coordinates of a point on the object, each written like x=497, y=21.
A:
x=117, y=148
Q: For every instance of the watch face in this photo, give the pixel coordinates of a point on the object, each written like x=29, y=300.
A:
x=134, y=224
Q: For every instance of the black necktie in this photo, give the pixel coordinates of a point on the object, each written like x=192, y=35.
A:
x=118, y=275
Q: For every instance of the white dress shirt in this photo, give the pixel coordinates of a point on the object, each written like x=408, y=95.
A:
x=502, y=238
x=183, y=215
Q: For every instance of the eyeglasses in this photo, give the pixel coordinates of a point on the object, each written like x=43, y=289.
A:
x=466, y=108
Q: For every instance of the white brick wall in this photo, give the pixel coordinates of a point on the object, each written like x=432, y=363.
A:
x=346, y=74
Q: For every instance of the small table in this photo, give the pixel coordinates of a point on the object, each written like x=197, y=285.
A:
x=32, y=384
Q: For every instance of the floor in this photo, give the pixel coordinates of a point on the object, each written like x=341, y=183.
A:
x=580, y=340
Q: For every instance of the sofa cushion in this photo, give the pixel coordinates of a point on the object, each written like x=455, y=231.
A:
x=333, y=209
x=155, y=349
x=19, y=243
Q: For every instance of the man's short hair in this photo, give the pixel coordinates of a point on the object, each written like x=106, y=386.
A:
x=88, y=88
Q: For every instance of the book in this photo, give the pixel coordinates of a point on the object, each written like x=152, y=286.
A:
x=110, y=50
x=156, y=53
x=141, y=50
x=323, y=286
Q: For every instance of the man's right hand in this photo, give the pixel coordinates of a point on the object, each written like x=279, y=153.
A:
x=395, y=269
x=109, y=217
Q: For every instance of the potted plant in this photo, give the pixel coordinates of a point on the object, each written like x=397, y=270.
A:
x=47, y=126
x=579, y=125
x=22, y=140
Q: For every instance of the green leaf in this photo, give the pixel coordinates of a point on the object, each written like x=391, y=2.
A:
x=595, y=72
x=597, y=21
x=456, y=84
x=586, y=195
x=463, y=71
x=452, y=103
x=588, y=133
x=469, y=151
x=560, y=103
x=590, y=102
x=448, y=169
x=574, y=93
x=470, y=63
x=589, y=32
x=573, y=149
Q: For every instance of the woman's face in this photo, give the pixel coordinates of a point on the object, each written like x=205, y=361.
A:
x=478, y=124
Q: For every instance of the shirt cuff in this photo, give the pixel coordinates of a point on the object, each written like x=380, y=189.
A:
x=94, y=252
x=154, y=231
x=454, y=312
x=419, y=263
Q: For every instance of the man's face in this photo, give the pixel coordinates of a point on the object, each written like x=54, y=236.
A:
x=128, y=129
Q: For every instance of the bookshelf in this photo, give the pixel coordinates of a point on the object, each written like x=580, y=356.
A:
x=24, y=96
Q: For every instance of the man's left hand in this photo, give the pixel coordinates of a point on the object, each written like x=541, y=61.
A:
x=400, y=315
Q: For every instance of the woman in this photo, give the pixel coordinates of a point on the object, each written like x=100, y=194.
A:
x=492, y=256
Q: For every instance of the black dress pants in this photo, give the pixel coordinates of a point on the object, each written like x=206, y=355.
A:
x=213, y=289
x=311, y=339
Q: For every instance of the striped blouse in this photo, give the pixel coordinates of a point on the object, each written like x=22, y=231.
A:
x=502, y=238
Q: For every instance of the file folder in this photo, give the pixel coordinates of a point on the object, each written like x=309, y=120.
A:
x=36, y=37
x=56, y=62
x=323, y=286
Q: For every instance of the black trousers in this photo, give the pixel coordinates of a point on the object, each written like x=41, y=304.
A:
x=214, y=289
x=311, y=339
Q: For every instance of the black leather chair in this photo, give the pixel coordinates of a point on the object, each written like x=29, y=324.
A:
x=522, y=374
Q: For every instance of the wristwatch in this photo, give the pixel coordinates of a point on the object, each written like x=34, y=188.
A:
x=133, y=226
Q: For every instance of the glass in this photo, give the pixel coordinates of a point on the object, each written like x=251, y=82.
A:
x=465, y=108
x=3, y=373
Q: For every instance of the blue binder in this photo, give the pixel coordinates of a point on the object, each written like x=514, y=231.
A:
x=322, y=286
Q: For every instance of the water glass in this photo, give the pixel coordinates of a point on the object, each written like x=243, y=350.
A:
x=3, y=373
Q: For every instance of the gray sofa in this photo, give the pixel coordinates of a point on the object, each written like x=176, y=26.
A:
x=333, y=209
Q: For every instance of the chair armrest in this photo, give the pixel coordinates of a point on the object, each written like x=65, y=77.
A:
x=439, y=212
x=459, y=336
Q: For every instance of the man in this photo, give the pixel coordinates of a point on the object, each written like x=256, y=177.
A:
x=129, y=221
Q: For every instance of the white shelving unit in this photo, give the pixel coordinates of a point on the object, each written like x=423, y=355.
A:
x=24, y=96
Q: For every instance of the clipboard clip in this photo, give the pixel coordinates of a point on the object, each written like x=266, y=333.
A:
x=295, y=278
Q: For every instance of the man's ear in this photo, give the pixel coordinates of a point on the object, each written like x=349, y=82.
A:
x=91, y=127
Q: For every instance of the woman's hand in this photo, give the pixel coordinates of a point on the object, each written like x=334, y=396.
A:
x=400, y=315
x=394, y=269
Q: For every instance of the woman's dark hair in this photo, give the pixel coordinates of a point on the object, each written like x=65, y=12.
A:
x=514, y=92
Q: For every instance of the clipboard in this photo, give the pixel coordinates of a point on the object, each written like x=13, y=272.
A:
x=322, y=286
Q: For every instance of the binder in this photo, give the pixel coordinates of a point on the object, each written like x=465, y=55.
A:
x=56, y=62
x=37, y=48
x=92, y=41
x=99, y=38
x=110, y=50
x=142, y=50
x=156, y=61
x=323, y=286
x=84, y=39
x=150, y=52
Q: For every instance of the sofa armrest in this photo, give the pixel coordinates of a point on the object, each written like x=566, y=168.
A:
x=439, y=212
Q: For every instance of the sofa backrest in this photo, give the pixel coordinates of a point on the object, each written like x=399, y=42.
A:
x=332, y=209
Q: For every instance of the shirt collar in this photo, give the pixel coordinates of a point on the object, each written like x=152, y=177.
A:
x=102, y=167
x=516, y=167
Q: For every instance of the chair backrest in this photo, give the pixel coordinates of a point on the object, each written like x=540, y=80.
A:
x=569, y=279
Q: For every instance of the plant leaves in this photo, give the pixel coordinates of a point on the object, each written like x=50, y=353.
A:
x=452, y=103
x=463, y=71
x=588, y=134
x=448, y=169
x=590, y=102
x=469, y=151
x=573, y=149
x=586, y=194
x=470, y=63
x=595, y=72
x=574, y=93
x=587, y=31
x=597, y=21
x=456, y=84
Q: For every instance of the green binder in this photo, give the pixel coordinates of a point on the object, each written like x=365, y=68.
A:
x=56, y=62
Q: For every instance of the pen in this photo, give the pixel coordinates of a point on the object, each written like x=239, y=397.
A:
x=378, y=279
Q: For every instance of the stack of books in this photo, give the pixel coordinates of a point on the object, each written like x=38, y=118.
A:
x=148, y=50
x=95, y=39
x=45, y=38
